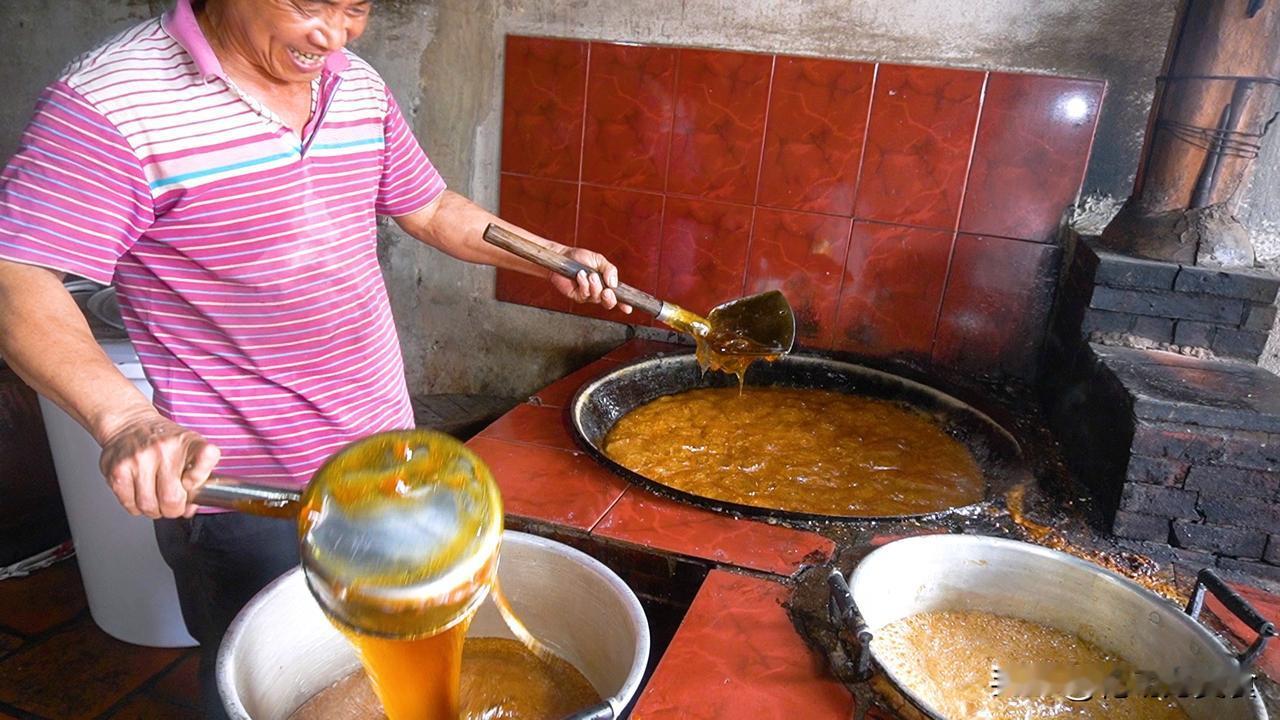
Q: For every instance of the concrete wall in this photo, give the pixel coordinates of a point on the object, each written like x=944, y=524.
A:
x=443, y=59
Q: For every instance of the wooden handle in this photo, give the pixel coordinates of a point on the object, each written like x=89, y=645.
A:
x=566, y=266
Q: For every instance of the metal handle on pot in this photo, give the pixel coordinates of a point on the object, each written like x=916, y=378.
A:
x=231, y=494
x=1231, y=600
x=844, y=613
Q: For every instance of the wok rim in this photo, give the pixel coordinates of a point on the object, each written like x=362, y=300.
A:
x=743, y=510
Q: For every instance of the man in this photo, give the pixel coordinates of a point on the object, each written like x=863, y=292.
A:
x=224, y=166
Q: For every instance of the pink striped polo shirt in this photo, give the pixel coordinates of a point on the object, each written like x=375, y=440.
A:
x=244, y=256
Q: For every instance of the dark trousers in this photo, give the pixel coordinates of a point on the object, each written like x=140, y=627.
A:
x=220, y=561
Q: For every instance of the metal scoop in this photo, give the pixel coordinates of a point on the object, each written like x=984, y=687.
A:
x=756, y=326
x=399, y=531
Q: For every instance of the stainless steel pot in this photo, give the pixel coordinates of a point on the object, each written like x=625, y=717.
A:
x=599, y=404
x=282, y=650
x=1020, y=580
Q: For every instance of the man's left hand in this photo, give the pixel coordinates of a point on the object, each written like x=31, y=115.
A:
x=594, y=287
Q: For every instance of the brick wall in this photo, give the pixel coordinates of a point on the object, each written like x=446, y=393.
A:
x=1227, y=312
x=1211, y=491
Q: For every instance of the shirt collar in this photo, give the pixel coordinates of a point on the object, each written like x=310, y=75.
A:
x=181, y=24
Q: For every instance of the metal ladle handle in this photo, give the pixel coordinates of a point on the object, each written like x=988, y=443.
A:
x=229, y=493
x=565, y=266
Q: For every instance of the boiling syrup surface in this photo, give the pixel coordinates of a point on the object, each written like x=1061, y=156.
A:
x=500, y=680
x=798, y=450
x=946, y=659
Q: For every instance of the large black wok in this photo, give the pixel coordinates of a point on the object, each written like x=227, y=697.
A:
x=600, y=403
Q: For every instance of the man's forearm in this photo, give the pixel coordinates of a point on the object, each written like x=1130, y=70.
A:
x=456, y=226
x=46, y=340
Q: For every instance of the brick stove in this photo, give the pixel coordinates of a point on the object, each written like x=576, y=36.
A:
x=1164, y=413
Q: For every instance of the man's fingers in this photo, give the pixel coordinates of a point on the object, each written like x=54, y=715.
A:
x=608, y=299
x=144, y=488
x=204, y=458
x=170, y=493
x=120, y=480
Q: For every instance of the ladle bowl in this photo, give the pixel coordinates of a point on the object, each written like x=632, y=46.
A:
x=398, y=531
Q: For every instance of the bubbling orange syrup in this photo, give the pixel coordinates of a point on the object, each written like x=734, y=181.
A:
x=415, y=679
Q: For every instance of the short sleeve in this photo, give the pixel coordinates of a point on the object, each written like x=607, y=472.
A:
x=74, y=198
x=409, y=181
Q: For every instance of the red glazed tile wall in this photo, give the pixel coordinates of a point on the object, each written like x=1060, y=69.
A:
x=907, y=212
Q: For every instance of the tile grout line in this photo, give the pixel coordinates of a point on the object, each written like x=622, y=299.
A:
x=755, y=200
x=955, y=234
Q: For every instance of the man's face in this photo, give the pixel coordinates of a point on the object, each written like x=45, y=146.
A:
x=287, y=40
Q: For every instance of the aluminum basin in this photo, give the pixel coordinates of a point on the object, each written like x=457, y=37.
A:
x=1020, y=580
x=282, y=650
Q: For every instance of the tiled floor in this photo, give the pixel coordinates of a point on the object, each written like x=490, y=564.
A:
x=55, y=664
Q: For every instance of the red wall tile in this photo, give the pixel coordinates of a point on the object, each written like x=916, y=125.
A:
x=893, y=284
x=626, y=227
x=918, y=145
x=1031, y=154
x=548, y=208
x=708, y=174
x=801, y=254
x=545, y=91
x=997, y=301
x=721, y=98
x=813, y=141
x=704, y=253
x=630, y=96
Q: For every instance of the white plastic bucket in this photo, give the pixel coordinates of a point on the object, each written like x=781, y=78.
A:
x=130, y=589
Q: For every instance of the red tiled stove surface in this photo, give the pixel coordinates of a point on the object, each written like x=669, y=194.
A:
x=737, y=645
x=906, y=211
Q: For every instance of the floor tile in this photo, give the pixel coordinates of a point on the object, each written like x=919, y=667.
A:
x=8, y=643
x=61, y=596
x=180, y=684
x=630, y=103
x=996, y=306
x=721, y=99
x=704, y=253
x=533, y=425
x=546, y=84
x=78, y=672
x=144, y=707
x=560, y=393
x=550, y=485
x=918, y=145
x=893, y=283
x=737, y=656
x=644, y=519
x=813, y=141
x=545, y=207
x=626, y=227
x=1030, y=156
x=803, y=255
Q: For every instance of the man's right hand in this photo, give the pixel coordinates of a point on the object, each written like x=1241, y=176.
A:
x=153, y=465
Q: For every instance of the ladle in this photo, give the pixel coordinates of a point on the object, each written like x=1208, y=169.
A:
x=730, y=337
x=399, y=532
